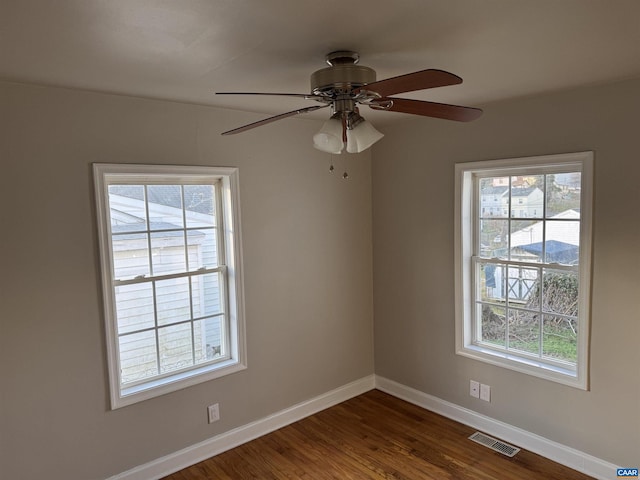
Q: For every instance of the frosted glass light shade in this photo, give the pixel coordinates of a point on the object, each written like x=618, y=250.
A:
x=329, y=138
x=361, y=137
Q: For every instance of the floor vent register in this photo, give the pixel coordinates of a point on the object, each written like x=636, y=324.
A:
x=493, y=444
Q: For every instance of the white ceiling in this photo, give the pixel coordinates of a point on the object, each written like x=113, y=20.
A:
x=185, y=50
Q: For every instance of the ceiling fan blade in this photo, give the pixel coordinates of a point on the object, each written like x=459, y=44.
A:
x=429, y=109
x=272, y=119
x=411, y=82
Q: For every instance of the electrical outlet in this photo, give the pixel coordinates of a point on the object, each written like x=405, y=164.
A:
x=214, y=412
x=474, y=389
x=485, y=392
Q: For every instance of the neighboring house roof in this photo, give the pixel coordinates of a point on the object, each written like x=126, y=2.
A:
x=129, y=211
x=501, y=190
x=523, y=192
x=567, y=232
x=122, y=229
x=515, y=192
x=556, y=251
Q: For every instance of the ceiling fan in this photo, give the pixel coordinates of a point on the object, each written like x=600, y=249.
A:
x=344, y=85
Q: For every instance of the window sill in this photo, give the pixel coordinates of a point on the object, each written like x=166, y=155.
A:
x=157, y=387
x=523, y=365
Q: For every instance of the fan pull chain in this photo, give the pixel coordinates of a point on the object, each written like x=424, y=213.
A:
x=345, y=175
x=332, y=168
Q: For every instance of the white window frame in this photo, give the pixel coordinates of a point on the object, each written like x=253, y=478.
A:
x=227, y=179
x=465, y=242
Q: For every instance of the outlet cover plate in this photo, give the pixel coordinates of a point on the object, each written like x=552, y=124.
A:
x=214, y=412
x=474, y=389
x=485, y=393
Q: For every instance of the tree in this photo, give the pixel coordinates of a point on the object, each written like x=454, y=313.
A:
x=559, y=293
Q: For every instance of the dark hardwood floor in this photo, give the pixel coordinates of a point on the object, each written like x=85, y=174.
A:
x=373, y=436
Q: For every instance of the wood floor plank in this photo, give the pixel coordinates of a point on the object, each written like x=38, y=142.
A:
x=373, y=437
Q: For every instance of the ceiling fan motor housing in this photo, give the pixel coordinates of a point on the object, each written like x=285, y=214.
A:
x=342, y=76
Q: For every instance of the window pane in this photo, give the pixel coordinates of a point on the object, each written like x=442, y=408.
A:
x=526, y=240
x=494, y=238
x=524, y=331
x=562, y=241
x=138, y=356
x=492, y=283
x=202, y=248
x=130, y=256
x=127, y=207
x=209, y=339
x=172, y=300
x=560, y=292
x=206, y=295
x=167, y=252
x=199, y=205
x=563, y=193
x=560, y=338
x=494, y=325
x=165, y=207
x=521, y=285
x=134, y=307
x=494, y=197
x=175, y=347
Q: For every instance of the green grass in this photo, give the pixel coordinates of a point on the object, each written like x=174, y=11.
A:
x=559, y=340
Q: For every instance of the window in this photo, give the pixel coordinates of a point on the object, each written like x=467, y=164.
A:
x=523, y=282
x=171, y=275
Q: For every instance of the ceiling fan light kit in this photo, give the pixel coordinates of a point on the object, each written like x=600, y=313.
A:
x=329, y=137
x=344, y=85
x=362, y=136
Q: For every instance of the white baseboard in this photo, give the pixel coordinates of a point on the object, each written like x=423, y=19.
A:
x=559, y=453
x=186, y=457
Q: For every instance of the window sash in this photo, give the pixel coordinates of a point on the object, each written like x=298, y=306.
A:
x=191, y=321
x=512, y=305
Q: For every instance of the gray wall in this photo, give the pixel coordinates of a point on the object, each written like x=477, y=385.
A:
x=308, y=277
x=413, y=197
x=308, y=272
